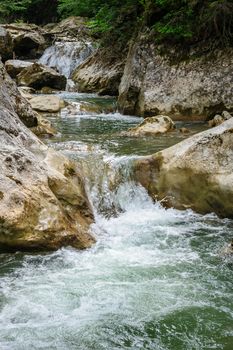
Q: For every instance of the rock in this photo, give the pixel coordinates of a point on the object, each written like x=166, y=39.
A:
x=99, y=73
x=14, y=67
x=196, y=173
x=28, y=39
x=71, y=27
x=160, y=124
x=49, y=104
x=26, y=89
x=44, y=128
x=228, y=251
x=43, y=203
x=6, y=44
x=13, y=101
x=37, y=76
x=155, y=83
x=226, y=115
x=184, y=130
x=219, y=119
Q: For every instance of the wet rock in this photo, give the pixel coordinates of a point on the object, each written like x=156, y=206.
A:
x=43, y=203
x=47, y=104
x=184, y=130
x=99, y=73
x=152, y=126
x=14, y=67
x=219, y=119
x=37, y=76
x=44, y=128
x=81, y=108
x=6, y=44
x=196, y=173
x=155, y=83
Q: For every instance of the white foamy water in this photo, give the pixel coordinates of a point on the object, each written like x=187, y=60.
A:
x=66, y=56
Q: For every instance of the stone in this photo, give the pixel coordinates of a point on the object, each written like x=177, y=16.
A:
x=70, y=27
x=28, y=39
x=99, y=73
x=219, y=119
x=37, y=76
x=188, y=89
x=49, y=104
x=6, y=44
x=14, y=67
x=152, y=126
x=14, y=101
x=184, y=130
x=196, y=173
x=43, y=203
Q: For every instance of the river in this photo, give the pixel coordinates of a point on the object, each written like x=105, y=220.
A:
x=156, y=279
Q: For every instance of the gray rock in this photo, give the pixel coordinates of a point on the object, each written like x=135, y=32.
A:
x=152, y=126
x=43, y=204
x=38, y=76
x=14, y=67
x=191, y=89
x=6, y=44
x=197, y=173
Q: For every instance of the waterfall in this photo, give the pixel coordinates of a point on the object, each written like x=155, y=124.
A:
x=66, y=56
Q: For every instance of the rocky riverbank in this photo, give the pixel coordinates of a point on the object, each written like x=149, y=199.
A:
x=43, y=203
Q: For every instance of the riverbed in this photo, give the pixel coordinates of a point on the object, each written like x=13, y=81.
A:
x=156, y=279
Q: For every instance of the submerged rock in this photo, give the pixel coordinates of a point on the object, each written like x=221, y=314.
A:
x=43, y=203
x=14, y=67
x=160, y=124
x=197, y=173
x=37, y=76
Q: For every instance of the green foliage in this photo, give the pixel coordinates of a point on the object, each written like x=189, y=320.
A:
x=184, y=21
x=13, y=8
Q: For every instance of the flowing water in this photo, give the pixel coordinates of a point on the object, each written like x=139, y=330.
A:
x=66, y=56
x=156, y=279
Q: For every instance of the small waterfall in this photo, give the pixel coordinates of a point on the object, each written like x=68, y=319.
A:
x=66, y=56
x=110, y=184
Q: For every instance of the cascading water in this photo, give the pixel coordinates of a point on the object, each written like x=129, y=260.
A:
x=154, y=280
x=67, y=55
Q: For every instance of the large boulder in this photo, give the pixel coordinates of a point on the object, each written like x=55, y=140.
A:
x=162, y=83
x=151, y=126
x=14, y=67
x=100, y=73
x=197, y=173
x=6, y=44
x=38, y=76
x=49, y=104
x=28, y=39
x=43, y=204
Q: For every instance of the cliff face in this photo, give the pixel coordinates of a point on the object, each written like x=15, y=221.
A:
x=191, y=89
x=43, y=204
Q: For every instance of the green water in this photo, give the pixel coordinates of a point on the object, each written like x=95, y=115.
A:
x=156, y=279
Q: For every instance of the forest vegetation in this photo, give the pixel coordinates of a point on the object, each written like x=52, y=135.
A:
x=188, y=21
